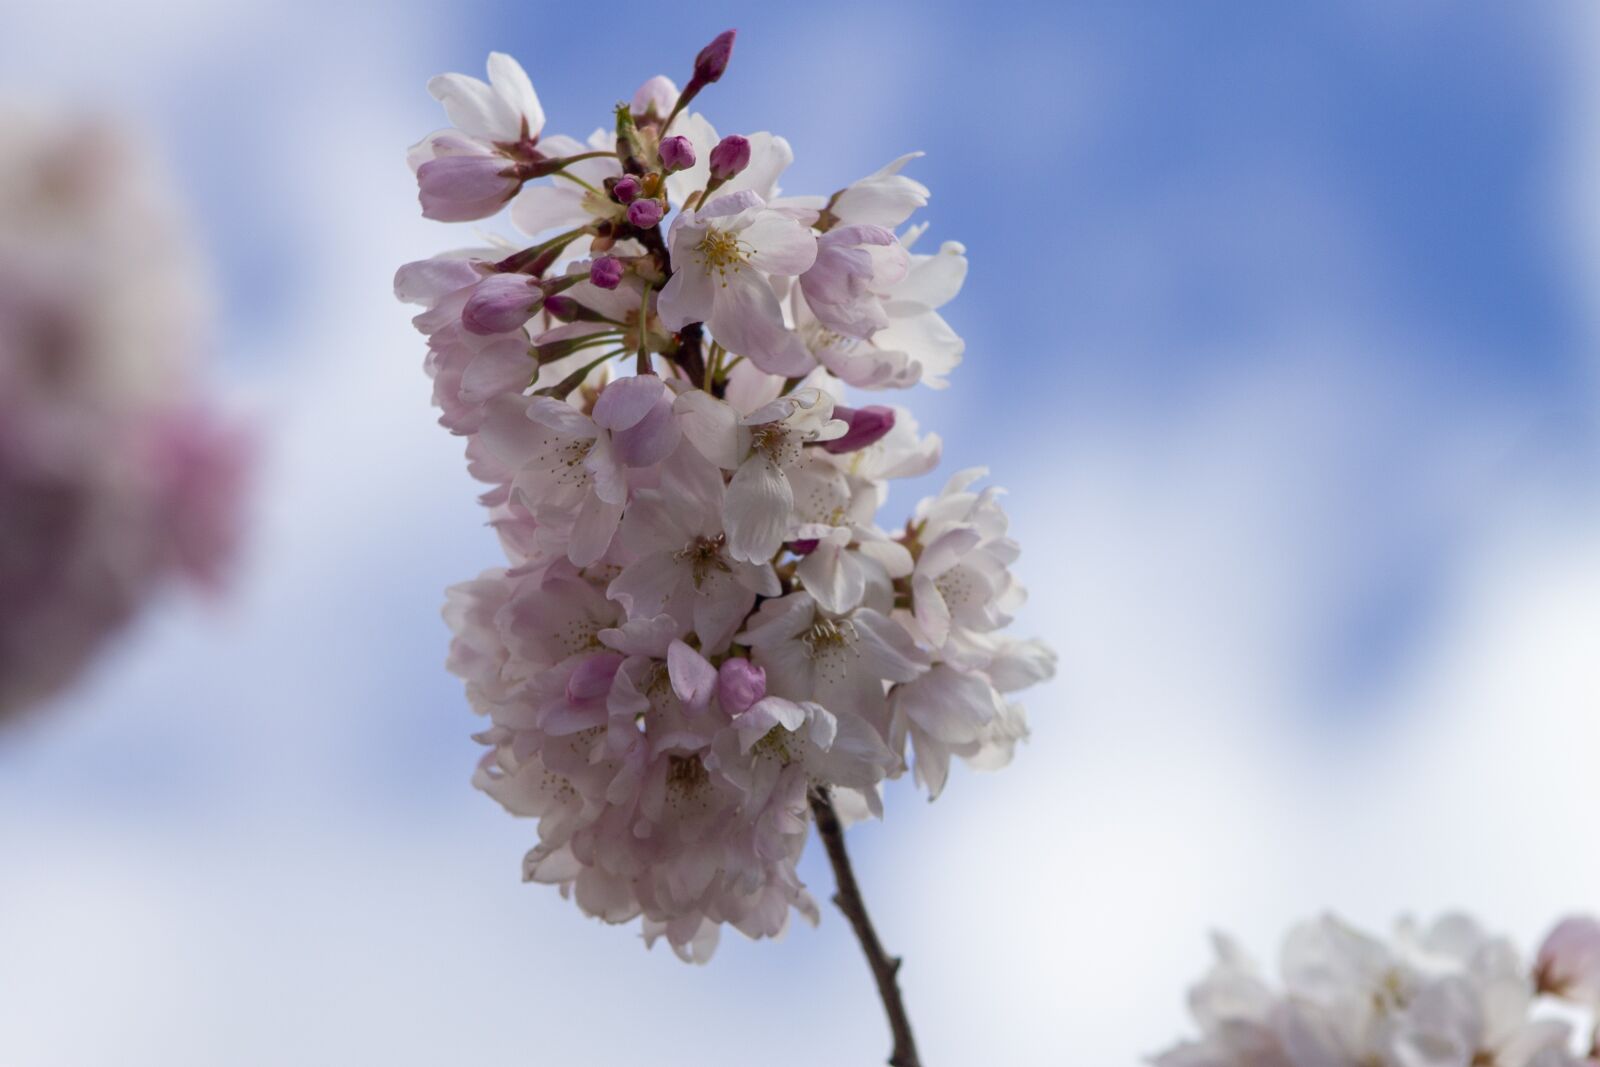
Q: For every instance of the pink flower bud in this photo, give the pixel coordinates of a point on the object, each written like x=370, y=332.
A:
x=627, y=189
x=465, y=187
x=606, y=272
x=501, y=303
x=805, y=546
x=867, y=425
x=740, y=684
x=644, y=213
x=712, y=61
x=731, y=156
x=562, y=307
x=677, y=153
x=1569, y=961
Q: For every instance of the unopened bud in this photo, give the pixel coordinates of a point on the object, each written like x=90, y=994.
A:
x=644, y=213
x=501, y=304
x=464, y=187
x=677, y=153
x=626, y=190
x=606, y=272
x=731, y=156
x=712, y=61
x=867, y=425
x=740, y=684
x=563, y=307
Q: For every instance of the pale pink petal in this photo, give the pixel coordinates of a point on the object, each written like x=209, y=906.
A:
x=688, y=296
x=561, y=417
x=428, y=280
x=543, y=207
x=887, y=650
x=652, y=439
x=474, y=108
x=644, y=586
x=950, y=705
x=625, y=401
x=946, y=550
x=711, y=426
x=780, y=245
x=748, y=321
x=757, y=510
x=693, y=678
x=507, y=432
x=593, y=529
x=512, y=85
x=934, y=281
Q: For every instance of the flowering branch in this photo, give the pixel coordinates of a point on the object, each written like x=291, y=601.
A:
x=703, y=639
x=885, y=968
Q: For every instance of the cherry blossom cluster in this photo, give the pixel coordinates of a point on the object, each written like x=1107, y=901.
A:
x=113, y=474
x=701, y=625
x=1446, y=994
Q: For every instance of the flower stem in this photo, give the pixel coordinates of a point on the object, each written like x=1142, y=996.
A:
x=885, y=968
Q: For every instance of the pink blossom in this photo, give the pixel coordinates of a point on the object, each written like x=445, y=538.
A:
x=701, y=624
x=855, y=269
x=725, y=254
x=470, y=171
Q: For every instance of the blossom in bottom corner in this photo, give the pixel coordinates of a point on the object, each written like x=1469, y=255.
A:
x=1445, y=994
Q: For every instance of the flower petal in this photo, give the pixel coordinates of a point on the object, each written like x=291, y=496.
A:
x=688, y=296
x=757, y=510
x=747, y=320
x=512, y=85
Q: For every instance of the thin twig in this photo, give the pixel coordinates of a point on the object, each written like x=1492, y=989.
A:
x=885, y=967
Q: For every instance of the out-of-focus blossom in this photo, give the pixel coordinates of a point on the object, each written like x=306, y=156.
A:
x=1442, y=995
x=114, y=474
x=1569, y=961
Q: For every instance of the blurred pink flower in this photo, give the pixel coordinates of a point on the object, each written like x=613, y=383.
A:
x=113, y=476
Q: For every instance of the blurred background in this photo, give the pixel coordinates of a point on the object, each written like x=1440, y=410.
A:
x=1282, y=328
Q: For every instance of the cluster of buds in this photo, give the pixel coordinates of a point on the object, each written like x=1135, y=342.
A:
x=701, y=628
x=1444, y=995
x=113, y=476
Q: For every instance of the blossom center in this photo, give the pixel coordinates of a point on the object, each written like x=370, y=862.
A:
x=825, y=636
x=658, y=686
x=955, y=585
x=720, y=251
x=704, y=555
x=776, y=443
x=774, y=744
x=686, y=775
x=564, y=459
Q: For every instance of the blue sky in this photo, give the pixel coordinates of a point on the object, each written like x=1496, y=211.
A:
x=1281, y=328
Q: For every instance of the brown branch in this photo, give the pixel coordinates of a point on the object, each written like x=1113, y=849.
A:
x=885, y=967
